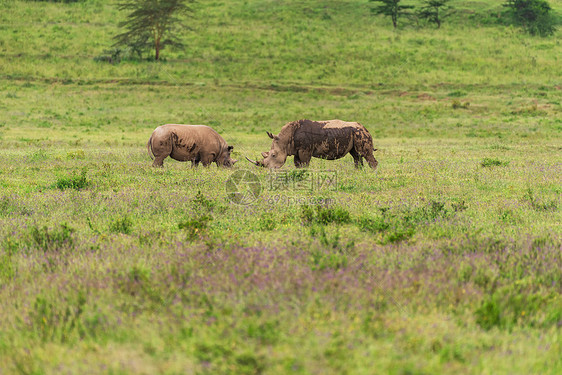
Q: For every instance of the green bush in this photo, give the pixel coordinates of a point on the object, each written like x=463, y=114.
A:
x=38, y=155
x=488, y=315
x=488, y=162
x=540, y=204
x=267, y=222
x=60, y=1
x=535, y=16
x=511, y=306
x=195, y=226
x=77, y=154
x=123, y=225
x=73, y=320
x=7, y=268
x=457, y=104
x=52, y=239
x=325, y=215
x=200, y=201
x=74, y=181
x=399, y=224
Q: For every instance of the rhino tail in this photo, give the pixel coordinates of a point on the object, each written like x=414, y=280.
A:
x=149, y=148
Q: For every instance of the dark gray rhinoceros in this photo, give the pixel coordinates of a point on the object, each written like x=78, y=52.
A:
x=329, y=140
x=195, y=143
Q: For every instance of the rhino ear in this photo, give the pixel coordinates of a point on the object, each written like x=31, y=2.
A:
x=270, y=135
x=230, y=148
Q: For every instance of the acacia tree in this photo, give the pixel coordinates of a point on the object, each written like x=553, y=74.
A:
x=153, y=24
x=391, y=8
x=434, y=11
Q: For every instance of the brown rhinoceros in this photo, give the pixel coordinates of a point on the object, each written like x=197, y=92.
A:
x=329, y=140
x=195, y=143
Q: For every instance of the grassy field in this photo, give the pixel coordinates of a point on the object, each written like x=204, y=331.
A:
x=445, y=260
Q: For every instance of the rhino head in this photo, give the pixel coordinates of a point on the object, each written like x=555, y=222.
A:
x=225, y=160
x=275, y=157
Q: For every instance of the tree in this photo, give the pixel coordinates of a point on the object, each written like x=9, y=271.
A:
x=534, y=15
x=391, y=8
x=434, y=11
x=152, y=24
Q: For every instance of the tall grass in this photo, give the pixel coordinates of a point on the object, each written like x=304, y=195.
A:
x=445, y=260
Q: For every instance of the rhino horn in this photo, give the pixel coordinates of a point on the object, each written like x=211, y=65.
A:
x=253, y=161
x=270, y=135
x=265, y=154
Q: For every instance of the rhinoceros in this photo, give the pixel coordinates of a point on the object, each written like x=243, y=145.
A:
x=195, y=143
x=329, y=140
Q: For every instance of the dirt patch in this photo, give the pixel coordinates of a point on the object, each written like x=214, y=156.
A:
x=425, y=96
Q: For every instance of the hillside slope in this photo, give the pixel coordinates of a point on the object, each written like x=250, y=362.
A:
x=334, y=43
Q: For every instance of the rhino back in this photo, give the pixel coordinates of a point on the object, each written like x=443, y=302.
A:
x=189, y=140
x=325, y=139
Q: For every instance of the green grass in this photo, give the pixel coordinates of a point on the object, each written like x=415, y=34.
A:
x=445, y=260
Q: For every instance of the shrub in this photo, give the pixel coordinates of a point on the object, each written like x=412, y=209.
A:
x=488, y=314
x=38, y=155
x=511, y=306
x=323, y=259
x=325, y=215
x=74, y=181
x=53, y=321
x=456, y=94
x=401, y=223
x=52, y=239
x=78, y=154
x=195, y=227
x=116, y=55
x=7, y=267
x=535, y=16
x=60, y=1
x=459, y=206
x=298, y=175
x=267, y=222
x=488, y=162
x=123, y=225
x=540, y=205
x=265, y=332
x=200, y=201
x=333, y=253
x=456, y=104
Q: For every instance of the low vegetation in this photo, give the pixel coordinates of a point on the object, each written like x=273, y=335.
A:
x=445, y=260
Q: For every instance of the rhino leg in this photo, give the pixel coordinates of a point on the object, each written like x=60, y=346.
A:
x=161, y=149
x=357, y=158
x=302, y=158
x=159, y=160
x=206, y=160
